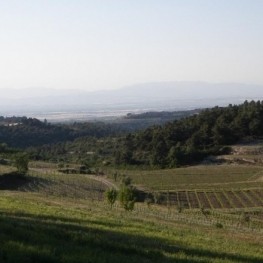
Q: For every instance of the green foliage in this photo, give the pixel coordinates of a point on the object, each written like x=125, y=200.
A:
x=31, y=132
x=191, y=139
x=219, y=225
x=126, y=180
x=174, y=144
x=35, y=228
x=127, y=197
x=43, y=227
x=111, y=196
x=21, y=163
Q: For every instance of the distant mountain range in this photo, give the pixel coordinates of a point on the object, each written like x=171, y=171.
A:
x=136, y=98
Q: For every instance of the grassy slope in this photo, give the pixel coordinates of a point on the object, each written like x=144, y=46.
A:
x=36, y=228
x=200, y=176
x=44, y=226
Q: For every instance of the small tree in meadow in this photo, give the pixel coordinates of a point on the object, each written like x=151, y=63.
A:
x=127, y=197
x=21, y=163
x=111, y=196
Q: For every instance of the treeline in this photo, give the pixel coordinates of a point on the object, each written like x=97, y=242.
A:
x=23, y=132
x=173, y=144
x=191, y=139
x=55, y=139
x=169, y=115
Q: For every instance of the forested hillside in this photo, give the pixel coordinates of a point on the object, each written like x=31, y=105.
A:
x=173, y=144
x=191, y=139
x=23, y=132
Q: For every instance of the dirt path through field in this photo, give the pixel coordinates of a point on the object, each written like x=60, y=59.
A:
x=102, y=180
x=93, y=177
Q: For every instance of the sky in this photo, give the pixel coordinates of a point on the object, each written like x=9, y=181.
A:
x=107, y=44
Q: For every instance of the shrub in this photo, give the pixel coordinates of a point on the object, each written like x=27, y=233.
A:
x=21, y=163
x=111, y=196
x=127, y=197
x=218, y=225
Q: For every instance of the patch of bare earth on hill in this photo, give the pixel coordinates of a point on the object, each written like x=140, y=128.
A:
x=248, y=153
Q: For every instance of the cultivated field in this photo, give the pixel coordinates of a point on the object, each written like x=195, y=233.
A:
x=40, y=228
x=48, y=216
x=204, y=186
x=198, y=177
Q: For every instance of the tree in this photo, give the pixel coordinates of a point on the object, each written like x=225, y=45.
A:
x=111, y=196
x=21, y=163
x=159, y=152
x=127, y=197
x=174, y=156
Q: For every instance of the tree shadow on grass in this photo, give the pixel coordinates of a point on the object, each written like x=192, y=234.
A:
x=30, y=238
x=15, y=181
x=12, y=181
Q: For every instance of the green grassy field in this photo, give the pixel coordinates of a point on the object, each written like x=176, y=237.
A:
x=197, y=177
x=36, y=228
x=52, y=217
x=48, y=181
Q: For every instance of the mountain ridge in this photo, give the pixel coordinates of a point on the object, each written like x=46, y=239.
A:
x=168, y=95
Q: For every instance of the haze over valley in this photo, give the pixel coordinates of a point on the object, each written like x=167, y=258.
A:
x=64, y=105
x=131, y=131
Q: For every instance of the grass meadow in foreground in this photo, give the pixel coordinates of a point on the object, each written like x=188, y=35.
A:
x=37, y=228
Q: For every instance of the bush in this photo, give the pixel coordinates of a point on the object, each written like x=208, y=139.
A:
x=127, y=197
x=218, y=225
x=21, y=163
x=111, y=196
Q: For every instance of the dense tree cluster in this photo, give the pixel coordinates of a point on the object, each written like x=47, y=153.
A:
x=175, y=143
x=193, y=138
x=22, y=132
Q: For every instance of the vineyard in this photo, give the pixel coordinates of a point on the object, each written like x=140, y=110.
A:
x=224, y=191
x=223, y=188
x=225, y=199
x=48, y=216
x=198, y=177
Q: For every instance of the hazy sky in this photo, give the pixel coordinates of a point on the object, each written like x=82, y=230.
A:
x=105, y=44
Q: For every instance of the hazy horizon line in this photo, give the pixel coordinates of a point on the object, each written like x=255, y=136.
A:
x=132, y=85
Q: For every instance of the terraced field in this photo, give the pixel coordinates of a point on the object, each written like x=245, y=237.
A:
x=214, y=199
x=203, y=186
